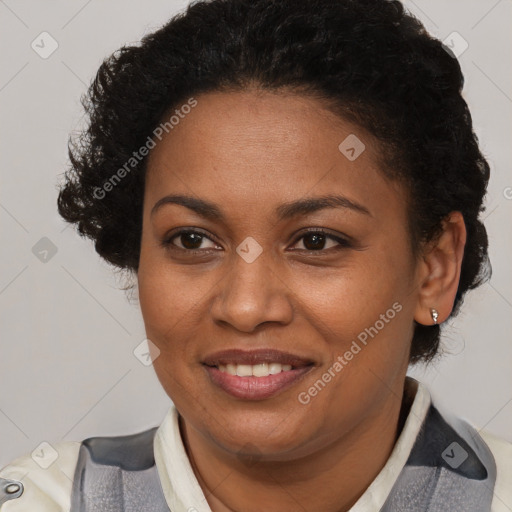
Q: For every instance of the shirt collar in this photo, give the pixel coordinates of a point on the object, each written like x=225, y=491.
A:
x=184, y=494
x=376, y=494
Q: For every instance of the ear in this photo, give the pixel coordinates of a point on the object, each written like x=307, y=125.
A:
x=439, y=271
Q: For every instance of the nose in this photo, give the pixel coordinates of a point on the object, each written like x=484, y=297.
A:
x=252, y=294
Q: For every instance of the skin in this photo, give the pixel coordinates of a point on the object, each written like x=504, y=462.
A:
x=249, y=152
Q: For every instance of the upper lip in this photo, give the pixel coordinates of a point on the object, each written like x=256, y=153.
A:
x=252, y=357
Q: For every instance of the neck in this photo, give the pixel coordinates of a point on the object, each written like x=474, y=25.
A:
x=331, y=479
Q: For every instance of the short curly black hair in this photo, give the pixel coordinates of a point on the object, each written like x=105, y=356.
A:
x=371, y=60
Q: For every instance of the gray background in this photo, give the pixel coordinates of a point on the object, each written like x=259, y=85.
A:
x=67, y=368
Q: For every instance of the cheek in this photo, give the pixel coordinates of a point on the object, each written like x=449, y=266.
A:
x=347, y=300
x=173, y=303
x=366, y=331
x=365, y=316
x=366, y=337
x=169, y=321
x=169, y=297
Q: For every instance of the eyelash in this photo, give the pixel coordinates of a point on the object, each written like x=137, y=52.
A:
x=343, y=242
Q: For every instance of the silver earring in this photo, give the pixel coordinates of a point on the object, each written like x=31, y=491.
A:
x=434, y=314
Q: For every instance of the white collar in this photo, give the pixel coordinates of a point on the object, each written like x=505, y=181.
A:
x=184, y=494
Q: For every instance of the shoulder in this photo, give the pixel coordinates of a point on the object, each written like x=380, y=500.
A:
x=59, y=477
x=46, y=478
x=497, y=453
x=452, y=465
x=502, y=453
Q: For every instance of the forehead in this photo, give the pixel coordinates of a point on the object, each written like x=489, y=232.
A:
x=267, y=148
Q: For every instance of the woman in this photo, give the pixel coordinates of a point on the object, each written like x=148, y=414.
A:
x=296, y=187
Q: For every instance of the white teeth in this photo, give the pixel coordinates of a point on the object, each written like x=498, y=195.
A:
x=260, y=370
x=244, y=370
x=274, y=368
x=255, y=370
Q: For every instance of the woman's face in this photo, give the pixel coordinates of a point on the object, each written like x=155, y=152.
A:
x=253, y=273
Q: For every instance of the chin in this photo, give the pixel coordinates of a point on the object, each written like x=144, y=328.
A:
x=271, y=439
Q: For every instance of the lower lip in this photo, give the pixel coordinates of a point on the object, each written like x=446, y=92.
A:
x=256, y=388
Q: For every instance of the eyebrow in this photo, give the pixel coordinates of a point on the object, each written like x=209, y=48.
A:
x=284, y=211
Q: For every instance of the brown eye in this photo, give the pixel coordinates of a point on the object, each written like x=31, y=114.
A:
x=319, y=241
x=188, y=240
x=314, y=241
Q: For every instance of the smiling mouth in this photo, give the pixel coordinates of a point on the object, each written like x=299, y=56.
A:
x=257, y=374
x=255, y=370
x=259, y=384
x=258, y=360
